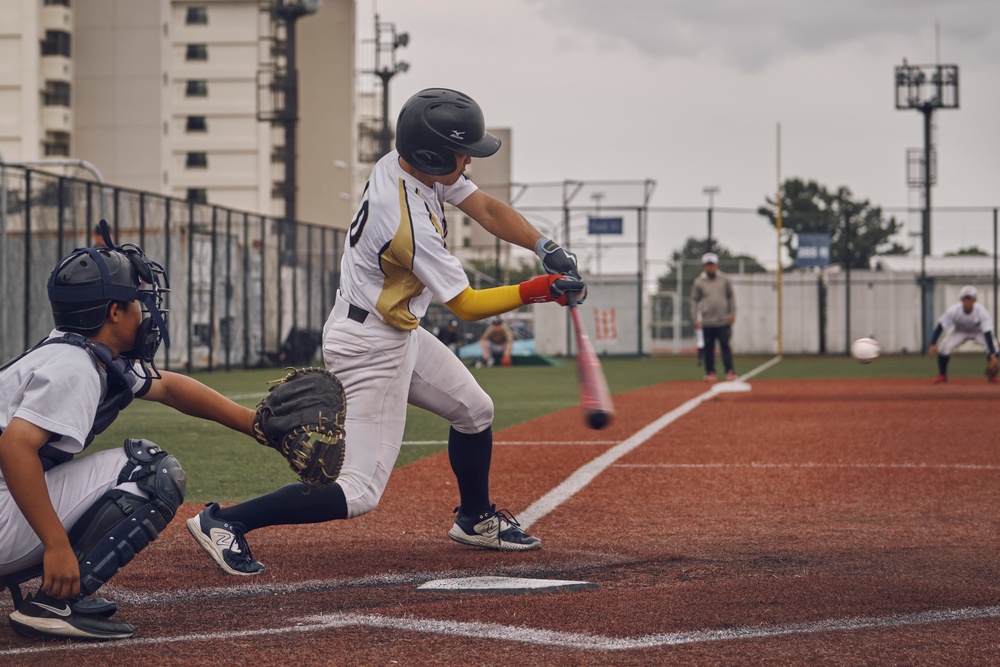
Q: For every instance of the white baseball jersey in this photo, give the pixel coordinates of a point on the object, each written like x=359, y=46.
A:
x=397, y=258
x=56, y=387
x=976, y=322
x=395, y=261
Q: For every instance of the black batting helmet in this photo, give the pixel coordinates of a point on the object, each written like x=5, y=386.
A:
x=437, y=122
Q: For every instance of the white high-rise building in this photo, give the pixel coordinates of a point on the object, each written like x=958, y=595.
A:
x=177, y=97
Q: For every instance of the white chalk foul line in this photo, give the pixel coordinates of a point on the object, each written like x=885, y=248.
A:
x=884, y=466
x=583, y=476
x=521, y=442
x=538, y=636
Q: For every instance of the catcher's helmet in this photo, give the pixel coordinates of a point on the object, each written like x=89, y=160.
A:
x=85, y=282
x=437, y=122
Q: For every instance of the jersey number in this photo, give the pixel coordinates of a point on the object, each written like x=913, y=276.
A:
x=358, y=224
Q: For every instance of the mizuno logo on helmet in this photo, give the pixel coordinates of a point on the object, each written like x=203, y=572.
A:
x=458, y=134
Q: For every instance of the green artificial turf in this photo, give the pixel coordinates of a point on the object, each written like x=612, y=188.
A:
x=225, y=466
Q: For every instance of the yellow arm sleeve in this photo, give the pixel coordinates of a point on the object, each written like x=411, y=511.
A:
x=473, y=304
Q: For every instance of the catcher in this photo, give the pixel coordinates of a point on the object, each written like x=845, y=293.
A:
x=966, y=320
x=72, y=519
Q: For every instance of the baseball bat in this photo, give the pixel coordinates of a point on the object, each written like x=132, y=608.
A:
x=595, y=399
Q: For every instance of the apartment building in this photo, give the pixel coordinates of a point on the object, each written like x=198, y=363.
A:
x=183, y=97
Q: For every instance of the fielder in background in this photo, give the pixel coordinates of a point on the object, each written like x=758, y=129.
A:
x=450, y=336
x=395, y=261
x=76, y=521
x=497, y=342
x=965, y=320
x=713, y=310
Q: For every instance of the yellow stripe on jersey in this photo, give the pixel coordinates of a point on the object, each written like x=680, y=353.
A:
x=473, y=304
x=396, y=262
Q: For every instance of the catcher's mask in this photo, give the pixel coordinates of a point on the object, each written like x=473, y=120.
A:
x=437, y=122
x=83, y=285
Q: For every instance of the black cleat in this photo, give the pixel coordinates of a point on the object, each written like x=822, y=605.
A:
x=45, y=616
x=493, y=529
x=224, y=541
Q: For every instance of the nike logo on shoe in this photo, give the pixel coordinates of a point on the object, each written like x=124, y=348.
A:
x=58, y=612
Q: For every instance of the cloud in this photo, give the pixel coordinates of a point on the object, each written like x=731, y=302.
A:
x=753, y=34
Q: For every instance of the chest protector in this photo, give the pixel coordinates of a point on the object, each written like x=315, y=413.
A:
x=117, y=396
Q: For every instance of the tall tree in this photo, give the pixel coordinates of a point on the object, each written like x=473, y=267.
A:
x=809, y=208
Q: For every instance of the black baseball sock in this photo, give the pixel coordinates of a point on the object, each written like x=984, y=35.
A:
x=470, y=455
x=942, y=364
x=295, y=503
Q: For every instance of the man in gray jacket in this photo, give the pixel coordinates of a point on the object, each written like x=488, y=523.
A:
x=713, y=309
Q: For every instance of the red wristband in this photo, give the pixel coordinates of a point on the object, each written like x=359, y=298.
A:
x=538, y=289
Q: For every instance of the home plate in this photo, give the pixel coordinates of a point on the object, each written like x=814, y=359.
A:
x=733, y=386
x=503, y=585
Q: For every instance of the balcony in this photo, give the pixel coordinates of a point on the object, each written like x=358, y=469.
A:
x=57, y=68
x=57, y=119
x=57, y=17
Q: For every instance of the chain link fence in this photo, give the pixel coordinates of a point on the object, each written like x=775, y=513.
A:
x=245, y=290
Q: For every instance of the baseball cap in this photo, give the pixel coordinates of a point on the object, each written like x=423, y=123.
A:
x=497, y=320
x=709, y=258
x=968, y=292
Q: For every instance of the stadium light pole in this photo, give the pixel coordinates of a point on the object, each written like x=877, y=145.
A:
x=386, y=71
x=926, y=88
x=711, y=191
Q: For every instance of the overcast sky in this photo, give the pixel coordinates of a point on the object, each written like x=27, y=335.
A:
x=690, y=94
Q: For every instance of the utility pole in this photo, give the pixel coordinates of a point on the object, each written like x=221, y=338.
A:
x=597, y=197
x=385, y=46
x=711, y=191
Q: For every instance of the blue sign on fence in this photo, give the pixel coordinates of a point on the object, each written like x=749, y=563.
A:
x=814, y=250
x=604, y=226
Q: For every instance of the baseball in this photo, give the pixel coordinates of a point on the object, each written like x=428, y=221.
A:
x=865, y=350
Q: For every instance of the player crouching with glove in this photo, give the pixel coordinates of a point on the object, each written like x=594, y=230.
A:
x=395, y=262
x=76, y=521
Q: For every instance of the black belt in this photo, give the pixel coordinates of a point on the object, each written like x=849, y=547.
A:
x=359, y=315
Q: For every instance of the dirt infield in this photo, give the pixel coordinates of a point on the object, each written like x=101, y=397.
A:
x=834, y=522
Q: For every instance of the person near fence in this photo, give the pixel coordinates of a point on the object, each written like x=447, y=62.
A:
x=395, y=261
x=713, y=310
x=75, y=521
x=497, y=342
x=961, y=322
x=450, y=336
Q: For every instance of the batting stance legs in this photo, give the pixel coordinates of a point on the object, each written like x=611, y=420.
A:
x=382, y=369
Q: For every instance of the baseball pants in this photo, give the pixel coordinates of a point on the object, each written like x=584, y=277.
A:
x=951, y=341
x=722, y=335
x=74, y=487
x=382, y=369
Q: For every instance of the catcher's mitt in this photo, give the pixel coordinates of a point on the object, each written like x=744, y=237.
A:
x=302, y=417
x=992, y=367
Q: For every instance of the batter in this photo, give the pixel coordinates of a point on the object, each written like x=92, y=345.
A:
x=396, y=260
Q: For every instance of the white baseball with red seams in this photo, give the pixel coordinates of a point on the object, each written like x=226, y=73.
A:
x=865, y=350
